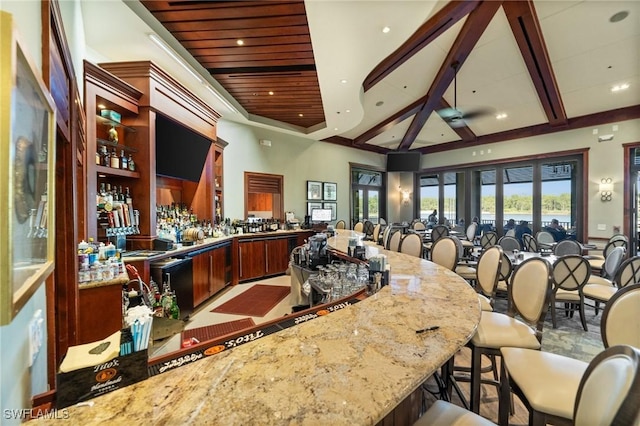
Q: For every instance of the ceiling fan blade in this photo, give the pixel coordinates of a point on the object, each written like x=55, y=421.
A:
x=457, y=123
x=478, y=112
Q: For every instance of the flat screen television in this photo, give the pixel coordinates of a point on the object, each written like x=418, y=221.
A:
x=180, y=152
x=403, y=161
x=321, y=215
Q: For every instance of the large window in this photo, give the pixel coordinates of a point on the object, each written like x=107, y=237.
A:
x=536, y=190
x=367, y=195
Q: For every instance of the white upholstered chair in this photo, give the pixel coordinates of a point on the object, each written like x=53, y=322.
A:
x=487, y=276
x=418, y=226
x=411, y=244
x=619, y=324
x=566, y=247
x=560, y=389
x=570, y=274
x=376, y=233
x=509, y=243
x=597, y=260
x=358, y=227
x=444, y=252
x=341, y=224
x=601, y=288
x=529, y=300
x=394, y=241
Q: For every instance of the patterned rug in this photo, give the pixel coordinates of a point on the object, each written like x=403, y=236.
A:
x=254, y=302
x=569, y=338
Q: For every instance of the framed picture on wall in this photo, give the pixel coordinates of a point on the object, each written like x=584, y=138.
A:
x=27, y=176
x=329, y=191
x=334, y=209
x=314, y=190
x=312, y=206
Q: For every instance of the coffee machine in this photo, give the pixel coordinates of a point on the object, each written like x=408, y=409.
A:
x=318, y=251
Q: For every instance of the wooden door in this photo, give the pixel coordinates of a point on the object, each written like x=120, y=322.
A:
x=277, y=256
x=218, y=272
x=201, y=277
x=251, y=260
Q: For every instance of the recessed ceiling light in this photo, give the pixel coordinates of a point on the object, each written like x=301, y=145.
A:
x=620, y=87
x=386, y=30
x=271, y=93
x=335, y=128
x=617, y=17
x=343, y=81
x=348, y=110
x=239, y=42
x=300, y=115
x=501, y=116
x=101, y=106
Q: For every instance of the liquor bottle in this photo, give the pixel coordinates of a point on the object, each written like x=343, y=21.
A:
x=98, y=157
x=101, y=197
x=115, y=160
x=127, y=196
x=131, y=164
x=124, y=164
x=175, y=309
x=106, y=158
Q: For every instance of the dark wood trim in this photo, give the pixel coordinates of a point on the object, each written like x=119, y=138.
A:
x=526, y=29
x=339, y=140
x=472, y=30
x=596, y=119
x=389, y=122
x=278, y=197
x=465, y=133
x=444, y=19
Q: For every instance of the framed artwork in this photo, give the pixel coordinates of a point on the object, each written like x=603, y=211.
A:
x=334, y=209
x=311, y=206
x=314, y=190
x=329, y=191
x=27, y=183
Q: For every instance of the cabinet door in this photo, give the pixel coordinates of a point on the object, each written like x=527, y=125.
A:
x=201, y=277
x=218, y=272
x=251, y=260
x=277, y=256
x=99, y=312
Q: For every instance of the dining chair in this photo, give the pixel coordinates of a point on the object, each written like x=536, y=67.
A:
x=358, y=227
x=510, y=233
x=565, y=247
x=341, y=224
x=394, y=241
x=529, y=300
x=418, y=226
x=376, y=233
x=382, y=221
x=444, y=252
x=487, y=276
x=560, y=390
x=386, y=233
x=619, y=324
x=470, y=234
x=601, y=288
x=597, y=261
x=506, y=269
x=367, y=229
x=509, y=243
x=488, y=239
x=463, y=267
x=530, y=243
x=545, y=238
x=411, y=244
x=570, y=274
x=437, y=232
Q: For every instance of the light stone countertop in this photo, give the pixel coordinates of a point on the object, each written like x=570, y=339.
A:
x=351, y=367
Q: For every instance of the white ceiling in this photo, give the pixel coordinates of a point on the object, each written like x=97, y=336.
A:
x=588, y=54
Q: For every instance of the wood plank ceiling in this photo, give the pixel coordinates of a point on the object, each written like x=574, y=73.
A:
x=272, y=73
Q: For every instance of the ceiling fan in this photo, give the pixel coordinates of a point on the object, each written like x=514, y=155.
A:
x=455, y=117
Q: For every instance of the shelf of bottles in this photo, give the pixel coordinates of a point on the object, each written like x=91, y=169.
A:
x=116, y=215
x=112, y=157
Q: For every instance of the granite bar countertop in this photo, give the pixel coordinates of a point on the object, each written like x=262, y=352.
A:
x=352, y=366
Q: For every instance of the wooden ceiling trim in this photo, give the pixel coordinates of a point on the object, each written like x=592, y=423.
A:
x=526, y=29
x=469, y=35
x=597, y=119
x=276, y=48
x=390, y=122
x=237, y=24
x=339, y=140
x=232, y=10
x=254, y=64
x=444, y=19
x=232, y=34
x=249, y=42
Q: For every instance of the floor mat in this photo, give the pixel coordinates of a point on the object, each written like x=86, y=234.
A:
x=210, y=332
x=255, y=302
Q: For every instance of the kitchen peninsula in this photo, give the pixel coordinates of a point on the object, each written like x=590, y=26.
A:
x=352, y=366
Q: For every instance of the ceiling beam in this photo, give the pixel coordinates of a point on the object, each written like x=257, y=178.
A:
x=589, y=120
x=390, y=122
x=444, y=19
x=469, y=35
x=339, y=140
x=464, y=132
x=526, y=29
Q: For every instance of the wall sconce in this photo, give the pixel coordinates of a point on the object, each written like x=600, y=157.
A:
x=606, y=189
x=405, y=196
